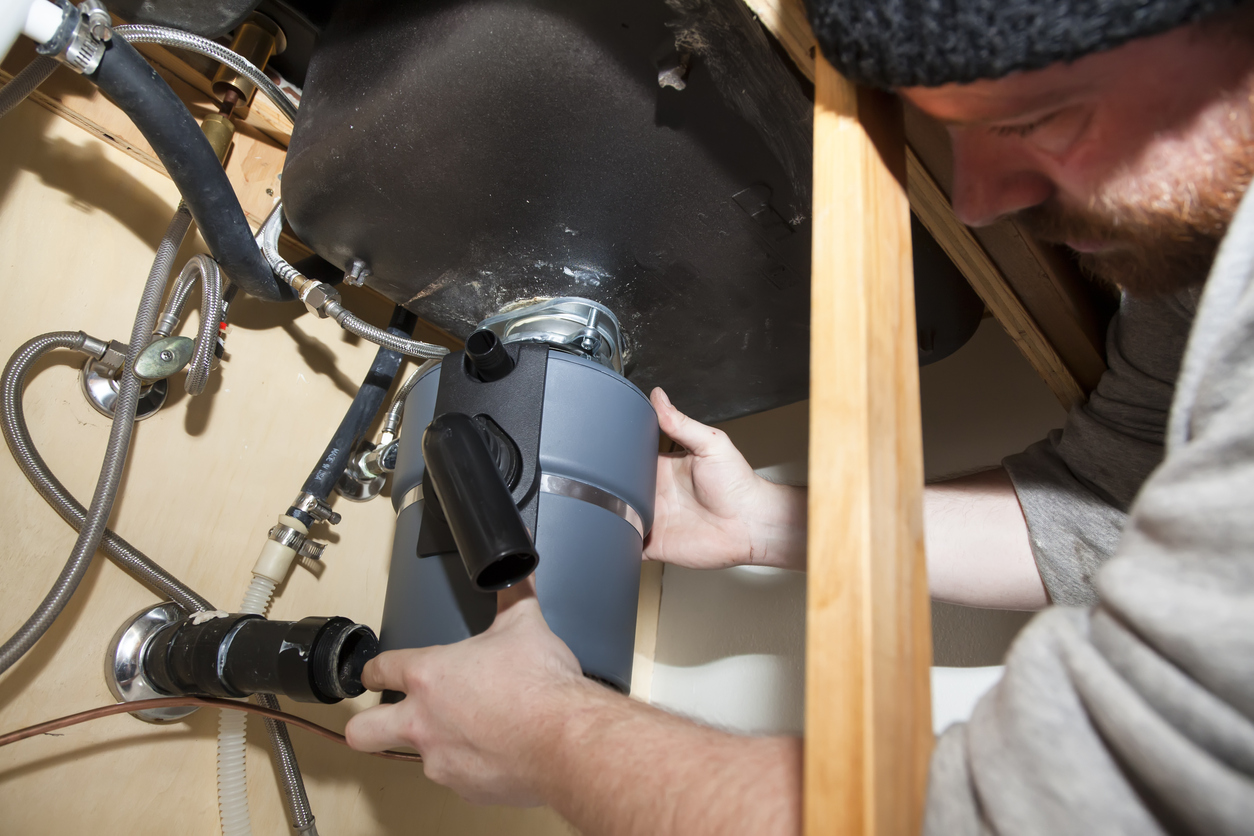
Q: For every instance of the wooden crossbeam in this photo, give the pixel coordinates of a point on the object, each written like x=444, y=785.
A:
x=932, y=207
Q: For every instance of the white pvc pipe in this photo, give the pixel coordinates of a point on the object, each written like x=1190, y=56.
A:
x=37, y=19
x=12, y=21
x=43, y=19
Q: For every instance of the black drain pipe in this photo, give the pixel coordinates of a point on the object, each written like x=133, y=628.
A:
x=361, y=414
x=134, y=86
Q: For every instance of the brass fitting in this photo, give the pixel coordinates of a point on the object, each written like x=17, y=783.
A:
x=258, y=39
x=219, y=130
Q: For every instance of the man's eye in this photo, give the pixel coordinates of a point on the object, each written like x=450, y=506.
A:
x=1054, y=134
x=1022, y=130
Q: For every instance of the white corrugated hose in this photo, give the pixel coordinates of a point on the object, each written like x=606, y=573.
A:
x=233, y=736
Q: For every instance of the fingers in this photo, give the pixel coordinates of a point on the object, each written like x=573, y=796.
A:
x=376, y=729
x=694, y=436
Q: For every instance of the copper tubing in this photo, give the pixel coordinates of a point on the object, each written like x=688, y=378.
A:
x=172, y=702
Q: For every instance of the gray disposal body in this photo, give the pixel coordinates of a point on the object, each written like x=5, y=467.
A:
x=598, y=443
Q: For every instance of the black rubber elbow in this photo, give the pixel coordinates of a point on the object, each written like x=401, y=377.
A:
x=134, y=86
x=475, y=501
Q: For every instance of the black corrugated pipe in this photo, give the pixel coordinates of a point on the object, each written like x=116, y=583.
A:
x=133, y=85
x=361, y=413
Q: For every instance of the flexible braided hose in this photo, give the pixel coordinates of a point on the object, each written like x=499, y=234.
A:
x=92, y=532
x=17, y=435
x=353, y=324
x=144, y=33
x=268, y=240
x=392, y=421
x=205, y=269
x=290, y=780
x=24, y=83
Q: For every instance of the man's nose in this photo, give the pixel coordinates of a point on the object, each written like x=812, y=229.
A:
x=992, y=181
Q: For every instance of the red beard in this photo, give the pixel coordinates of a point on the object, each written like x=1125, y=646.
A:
x=1154, y=249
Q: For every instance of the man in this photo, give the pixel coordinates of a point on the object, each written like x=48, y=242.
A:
x=1121, y=129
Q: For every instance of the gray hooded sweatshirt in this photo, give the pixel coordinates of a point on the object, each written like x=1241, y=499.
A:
x=1131, y=711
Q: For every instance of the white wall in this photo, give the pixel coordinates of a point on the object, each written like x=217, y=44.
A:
x=731, y=643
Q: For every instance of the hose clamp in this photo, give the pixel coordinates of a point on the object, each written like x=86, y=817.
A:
x=316, y=508
x=410, y=497
x=591, y=494
x=80, y=41
x=98, y=19
x=296, y=541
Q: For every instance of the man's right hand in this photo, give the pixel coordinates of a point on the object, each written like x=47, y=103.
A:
x=712, y=510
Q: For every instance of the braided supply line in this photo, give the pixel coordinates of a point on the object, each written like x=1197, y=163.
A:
x=144, y=33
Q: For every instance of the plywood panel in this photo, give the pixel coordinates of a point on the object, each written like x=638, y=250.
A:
x=648, y=612
x=868, y=642
x=79, y=221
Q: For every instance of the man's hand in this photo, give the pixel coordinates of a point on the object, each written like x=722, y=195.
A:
x=480, y=711
x=712, y=510
x=506, y=717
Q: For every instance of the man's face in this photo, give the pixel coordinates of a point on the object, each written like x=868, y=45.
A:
x=1135, y=158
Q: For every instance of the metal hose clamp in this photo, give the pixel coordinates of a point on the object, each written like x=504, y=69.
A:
x=80, y=40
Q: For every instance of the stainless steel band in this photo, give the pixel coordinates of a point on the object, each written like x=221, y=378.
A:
x=593, y=495
x=410, y=496
x=562, y=486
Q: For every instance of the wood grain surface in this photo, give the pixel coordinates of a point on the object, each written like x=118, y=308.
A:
x=868, y=628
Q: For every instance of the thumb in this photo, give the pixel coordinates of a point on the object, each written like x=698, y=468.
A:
x=693, y=436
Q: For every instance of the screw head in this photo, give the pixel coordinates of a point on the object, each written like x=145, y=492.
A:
x=167, y=355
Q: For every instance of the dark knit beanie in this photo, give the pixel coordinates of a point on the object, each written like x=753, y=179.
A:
x=910, y=43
